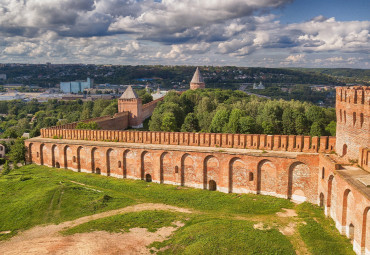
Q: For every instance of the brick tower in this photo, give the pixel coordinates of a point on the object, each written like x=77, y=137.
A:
x=353, y=123
x=130, y=102
x=197, y=82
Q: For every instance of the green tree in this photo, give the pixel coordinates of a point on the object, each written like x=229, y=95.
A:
x=331, y=128
x=233, y=126
x=247, y=125
x=288, y=121
x=169, y=122
x=85, y=114
x=301, y=124
x=317, y=129
x=17, y=152
x=92, y=125
x=219, y=121
x=190, y=124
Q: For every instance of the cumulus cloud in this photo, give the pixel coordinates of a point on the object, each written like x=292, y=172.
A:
x=232, y=31
x=295, y=58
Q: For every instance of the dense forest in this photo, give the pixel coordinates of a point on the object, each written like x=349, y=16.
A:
x=216, y=111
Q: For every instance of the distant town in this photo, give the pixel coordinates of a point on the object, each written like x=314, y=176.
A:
x=43, y=82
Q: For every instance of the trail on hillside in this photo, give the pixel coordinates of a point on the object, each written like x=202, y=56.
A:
x=48, y=240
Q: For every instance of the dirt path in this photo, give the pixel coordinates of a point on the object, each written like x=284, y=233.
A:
x=47, y=240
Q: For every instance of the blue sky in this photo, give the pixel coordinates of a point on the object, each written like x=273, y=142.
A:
x=268, y=33
x=342, y=10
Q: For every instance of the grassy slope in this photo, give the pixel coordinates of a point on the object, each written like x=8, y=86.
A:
x=35, y=195
x=320, y=234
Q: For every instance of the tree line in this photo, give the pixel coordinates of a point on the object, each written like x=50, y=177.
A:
x=226, y=111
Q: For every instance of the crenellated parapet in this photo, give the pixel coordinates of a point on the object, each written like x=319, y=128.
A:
x=292, y=143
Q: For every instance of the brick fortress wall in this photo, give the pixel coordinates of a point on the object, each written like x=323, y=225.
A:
x=301, y=168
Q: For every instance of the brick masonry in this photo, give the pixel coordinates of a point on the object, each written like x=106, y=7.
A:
x=300, y=168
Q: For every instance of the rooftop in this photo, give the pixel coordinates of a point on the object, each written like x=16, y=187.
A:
x=197, y=78
x=129, y=94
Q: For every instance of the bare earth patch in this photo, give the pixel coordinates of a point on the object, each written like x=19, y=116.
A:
x=288, y=230
x=287, y=213
x=260, y=226
x=47, y=240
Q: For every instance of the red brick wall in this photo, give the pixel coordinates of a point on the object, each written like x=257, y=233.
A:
x=353, y=120
x=346, y=203
x=280, y=176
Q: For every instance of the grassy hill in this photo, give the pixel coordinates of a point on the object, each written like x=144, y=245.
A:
x=218, y=223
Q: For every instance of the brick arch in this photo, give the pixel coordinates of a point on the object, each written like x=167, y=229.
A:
x=330, y=192
x=30, y=153
x=125, y=163
x=146, y=165
x=237, y=174
x=298, y=181
x=188, y=175
x=65, y=156
x=346, y=194
x=266, y=177
x=165, y=167
x=108, y=161
x=42, y=154
x=211, y=167
x=54, y=147
x=79, y=158
x=364, y=228
x=93, y=158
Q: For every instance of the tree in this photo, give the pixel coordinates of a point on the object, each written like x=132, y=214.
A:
x=301, y=124
x=190, y=124
x=92, y=125
x=331, y=128
x=317, y=129
x=17, y=152
x=288, y=122
x=233, y=126
x=85, y=114
x=247, y=125
x=220, y=121
x=169, y=122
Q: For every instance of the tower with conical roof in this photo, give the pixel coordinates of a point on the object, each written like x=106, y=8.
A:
x=197, y=82
x=131, y=103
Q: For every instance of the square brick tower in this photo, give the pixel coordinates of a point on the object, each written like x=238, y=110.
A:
x=131, y=103
x=353, y=121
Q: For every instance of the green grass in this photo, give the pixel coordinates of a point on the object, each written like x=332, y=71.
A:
x=203, y=235
x=151, y=220
x=29, y=198
x=34, y=195
x=320, y=234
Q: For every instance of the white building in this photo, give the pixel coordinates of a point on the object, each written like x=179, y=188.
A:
x=259, y=86
x=76, y=86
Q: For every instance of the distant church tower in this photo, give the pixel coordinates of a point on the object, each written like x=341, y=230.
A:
x=197, y=82
x=130, y=102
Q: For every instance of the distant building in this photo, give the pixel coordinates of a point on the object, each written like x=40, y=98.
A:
x=259, y=86
x=197, y=82
x=2, y=76
x=76, y=86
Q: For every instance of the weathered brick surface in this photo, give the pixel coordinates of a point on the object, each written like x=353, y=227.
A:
x=353, y=120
